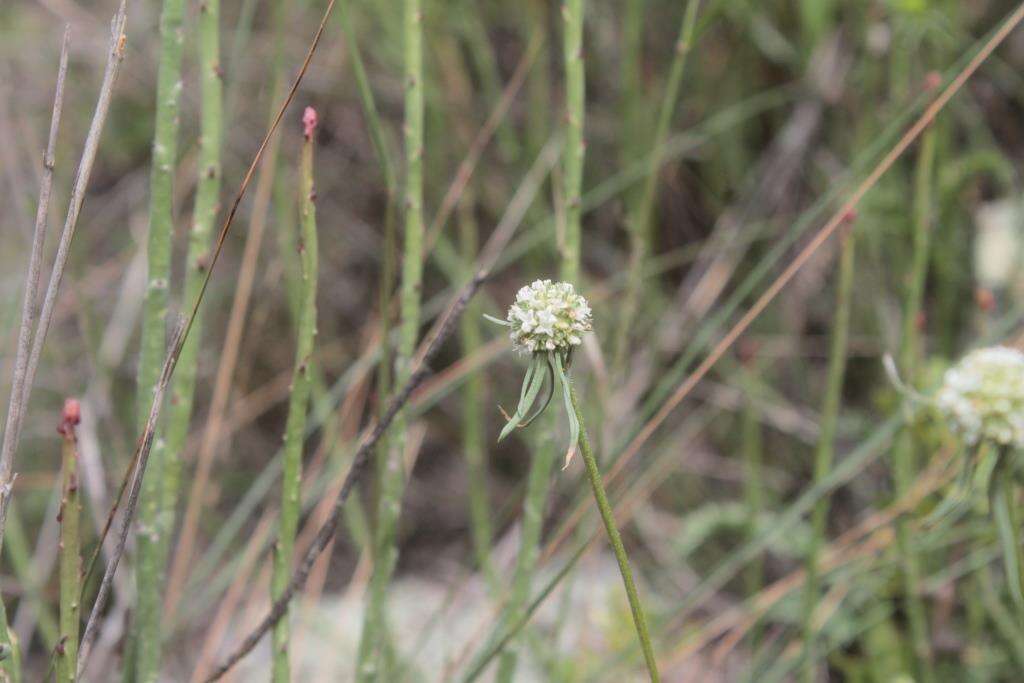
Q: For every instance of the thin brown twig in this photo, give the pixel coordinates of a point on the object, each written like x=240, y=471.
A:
x=18, y=401
x=428, y=350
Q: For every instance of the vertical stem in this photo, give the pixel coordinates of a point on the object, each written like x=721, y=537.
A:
x=903, y=452
x=473, y=437
x=575, y=146
x=146, y=636
x=641, y=235
x=608, y=517
x=753, y=455
x=207, y=204
x=392, y=478
x=538, y=484
x=825, y=452
x=295, y=425
x=387, y=267
x=69, y=549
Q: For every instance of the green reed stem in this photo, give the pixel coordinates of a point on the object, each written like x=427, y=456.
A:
x=298, y=404
x=538, y=484
x=575, y=146
x=641, y=234
x=70, y=559
x=825, y=453
x=145, y=639
x=207, y=203
x=608, y=517
x=371, y=658
x=903, y=453
x=473, y=397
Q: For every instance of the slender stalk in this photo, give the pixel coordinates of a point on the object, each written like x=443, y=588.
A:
x=825, y=453
x=753, y=490
x=903, y=466
x=388, y=265
x=575, y=145
x=295, y=427
x=538, y=484
x=182, y=389
x=204, y=215
x=473, y=397
x=70, y=547
x=608, y=517
x=18, y=399
x=227, y=360
x=115, y=53
x=371, y=659
x=641, y=235
x=145, y=641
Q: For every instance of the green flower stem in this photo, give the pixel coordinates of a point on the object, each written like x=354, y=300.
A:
x=826, y=446
x=295, y=425
x=903, y=452
x=575, y=147
x=608, y=517
x=371, y=657
x=641, y=234
x=1006, y=514
x=70, y=559
x=145, y=639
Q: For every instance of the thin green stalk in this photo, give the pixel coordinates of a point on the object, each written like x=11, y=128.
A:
x=538, y=484
x=903, y=453
x=753, y=493
x=640, y=234
x=207, y=203
x=473, y=397
x=145, y=640
x=575, y=146
x=372, y=653
x=825, y=452
x=387, y=267
x=608, y=517
x=295, y=426
x=69, y=549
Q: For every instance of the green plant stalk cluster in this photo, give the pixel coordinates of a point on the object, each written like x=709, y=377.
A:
x=371, y=657
x=144, y=646
x=207, y=204
x=298, y=404
x=825, y=452
x=575, y=145
x=70, y=561
x=608, y=517
x=640, y=224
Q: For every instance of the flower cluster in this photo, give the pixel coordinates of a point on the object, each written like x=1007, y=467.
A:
x=548, y=316
x=983, y=397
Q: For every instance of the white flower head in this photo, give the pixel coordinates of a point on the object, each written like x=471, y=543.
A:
x=982, y=396
x=548, y=316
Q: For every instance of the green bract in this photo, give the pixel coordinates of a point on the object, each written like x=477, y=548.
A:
x=547, y=320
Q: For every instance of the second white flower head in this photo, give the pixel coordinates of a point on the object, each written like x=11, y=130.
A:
x=983, y=396
x=548, y=316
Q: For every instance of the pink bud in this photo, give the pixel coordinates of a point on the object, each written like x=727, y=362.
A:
x=69, y=417
x=309, y=121
x=72, y=411
x=932, y=80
